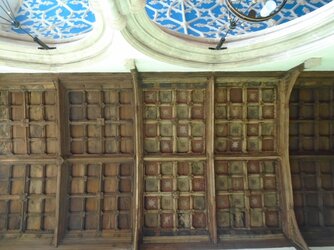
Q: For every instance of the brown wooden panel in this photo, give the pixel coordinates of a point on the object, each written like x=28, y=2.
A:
x=313, y=186
x=311, y=119
x=28, y=124
x=312, y=139
x=101, y=122
x=245, y=118
x=100, y=197
x=27, y=201
x=174, y=118
x=175, y=198
x=100, y=116
x=248, y=196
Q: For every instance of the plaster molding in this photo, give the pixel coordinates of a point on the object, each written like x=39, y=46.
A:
x=25, y=53
x=130, y=64
x=137, y=5
x=117, y=20
x=284, y=41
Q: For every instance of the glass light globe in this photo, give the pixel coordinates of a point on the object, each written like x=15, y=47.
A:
x=271, y=5
x=268, y=7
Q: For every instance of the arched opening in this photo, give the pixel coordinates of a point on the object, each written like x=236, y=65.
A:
x=51, y=21
x=211, y=19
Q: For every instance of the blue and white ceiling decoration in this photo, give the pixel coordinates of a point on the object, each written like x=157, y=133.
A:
x=210, y=18
x=55, y=20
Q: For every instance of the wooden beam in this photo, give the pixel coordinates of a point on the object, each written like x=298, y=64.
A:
x=100, y=158
x=32, y=159
x=138, y=169
x=290, y=226
x=211, y=186
x=313, y=156
x=247, y=157
x=174, y=158
x=60, y=217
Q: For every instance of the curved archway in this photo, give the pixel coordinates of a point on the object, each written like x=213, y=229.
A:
x=294, y=38
x=211, y=19
x=75, y=49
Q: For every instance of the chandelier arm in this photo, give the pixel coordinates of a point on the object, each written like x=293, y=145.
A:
x=17, y=25
x=25, y=31
x=6, y=11
x=8, y=21
x=9, y=8
x=251, y=19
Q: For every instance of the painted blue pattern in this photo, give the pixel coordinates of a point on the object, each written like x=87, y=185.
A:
x=55, y=19
x=209, y=18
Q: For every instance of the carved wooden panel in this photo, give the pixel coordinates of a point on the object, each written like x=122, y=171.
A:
x=174, y=118
x=312, y=119
x=212, y=159
x=248, y=196
x=245, y=118
x=28, y=122
x=313, y=186
x=101, y=121
x=175, y=198
x=27, y=198
x=100, y=197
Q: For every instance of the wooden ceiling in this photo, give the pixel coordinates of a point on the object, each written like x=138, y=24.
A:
x=145, y=160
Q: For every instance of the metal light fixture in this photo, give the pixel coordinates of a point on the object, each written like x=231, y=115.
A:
x=255, y=10
x=249, y=11
x=7, y=14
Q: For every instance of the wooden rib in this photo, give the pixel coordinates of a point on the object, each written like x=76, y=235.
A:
x=17, y=159
x=138, y=180
x=245, y=158
x=64, y=109
x=174, y=158
x=100, y=158
x=316, y=122
x=195, y=239
x=312, y=157
x=100, y=199
x=80, y=81
x=320, y=195
x=331, y=114
x=60, y=217
x=300, y=124
x=24, y=204
x=18, y=81
x=26, y=121
x=200, y=77
x=210, y=125
x=290, y=227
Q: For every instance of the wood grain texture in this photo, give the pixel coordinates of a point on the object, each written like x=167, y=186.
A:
x=311, y=150
x=138, y=170
x=290, y=228
x=138, y=160
x=210, y=130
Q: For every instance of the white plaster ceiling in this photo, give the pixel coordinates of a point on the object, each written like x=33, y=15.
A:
x=118, y=40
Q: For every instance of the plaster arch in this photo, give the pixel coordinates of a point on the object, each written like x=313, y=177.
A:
x=301, y=35
x=26, y=55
